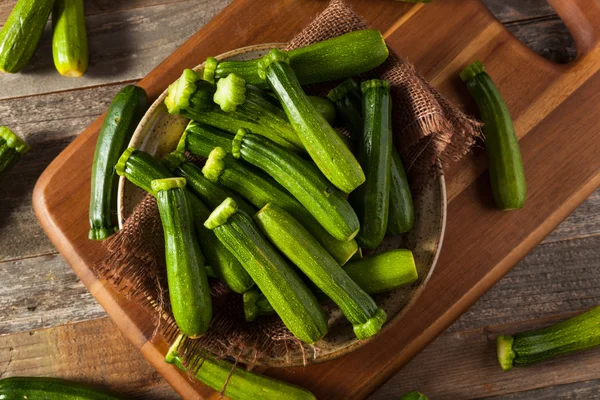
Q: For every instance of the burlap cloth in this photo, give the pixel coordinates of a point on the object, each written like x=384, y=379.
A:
x=429, y=132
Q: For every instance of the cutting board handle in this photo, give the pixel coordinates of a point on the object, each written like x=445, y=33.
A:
x=582, y=18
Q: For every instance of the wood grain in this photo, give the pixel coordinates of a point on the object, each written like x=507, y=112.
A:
x=93, y=352
x=511, y=11
x=123, y=46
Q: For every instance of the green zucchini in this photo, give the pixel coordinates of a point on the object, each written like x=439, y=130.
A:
x=402, y=210
x=69, y=39
x=201, y=139
x=189, y=292
x=325, y=107
x=337, y=58
x=122, y=117
x=290, y=237
x=141, y=169
x=12, y=148
x=42, y=388
x=303, y=180
x=193, y=98
x=375, y=274
x=207, y=191
x=261, y=189
x=414, y=395
x=577, y=333
x=235, y=382
x=321, y=141
x=501, y=144
x=348, y=102
x=21, y=33
x=292, y=300
x=371, y=200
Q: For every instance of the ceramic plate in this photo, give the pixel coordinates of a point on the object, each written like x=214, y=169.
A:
x=158, y=134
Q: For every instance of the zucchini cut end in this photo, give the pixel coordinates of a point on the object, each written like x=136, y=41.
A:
x=158, y=185
x=372, y=326
x=210, y=66
x=180, y=91
x=251, y=311
x=471, y=71
x=340, y=92
x=101, y=233
x=13, y=141
x=221, y=214
x=505, y=352
x=374, y=84
x=236, y=145
x=173, y=160
x=273, y=56
x=230, y=93
x=122, y=162
x=172, y=356
x=214, y=164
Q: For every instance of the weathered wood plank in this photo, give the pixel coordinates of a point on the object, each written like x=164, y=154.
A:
x=93, y=7
x=586, y=390
x=463, y=365
x=92, y=352
x=123, y=46
x=583, y=222
x=549, y=37
x=519, y=10
x=48, y=123
x=41, y=292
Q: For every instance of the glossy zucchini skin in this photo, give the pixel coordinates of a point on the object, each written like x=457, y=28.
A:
x=347, y=98
x=260, y=189
x=292, y=300
x=22, y=32
x=69, y=38
x=329, y=60
x=236, y=382
x=375, y=274
x=12, y=148
x=577, y=333
x=303, y=180
x=41, y=388
x=141, y=169
x=201, y=139
x=294, y=241
x=122, y=117
x=371, y=200
x=402, y=210
x=325, y=107
x=507, y=175
x=189, y=292
x=321, y=141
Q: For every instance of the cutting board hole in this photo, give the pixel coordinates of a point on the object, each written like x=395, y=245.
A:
x=536, y=24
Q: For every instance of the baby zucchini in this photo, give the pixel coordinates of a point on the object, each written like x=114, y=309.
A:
x=69, y=39
x=313, y=260
x=12, y=148
x=188, y=285
x=294, y=303
x=122, y=117
x=42, y=388
x=501, y=144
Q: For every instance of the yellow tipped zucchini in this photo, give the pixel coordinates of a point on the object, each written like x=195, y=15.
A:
x=321, y=141
x=189, y=292
x=12, y=148
x=577, y=333
x=294, y=241
x=141, y=169
x=122, y=117
x=303, y=180
x=292, y=300
x=501, y=144
x=42, y=388
x=234, y=381
x=69, y=39
x=21, y=33
x=261, y=189
x=371, y=200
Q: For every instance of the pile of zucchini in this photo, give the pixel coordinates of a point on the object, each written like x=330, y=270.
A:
x=268, y=214
x=23, y=29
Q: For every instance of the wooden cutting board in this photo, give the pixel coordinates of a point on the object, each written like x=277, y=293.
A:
x=556, y=111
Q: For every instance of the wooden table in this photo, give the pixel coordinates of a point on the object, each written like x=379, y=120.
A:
x=38, y=290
